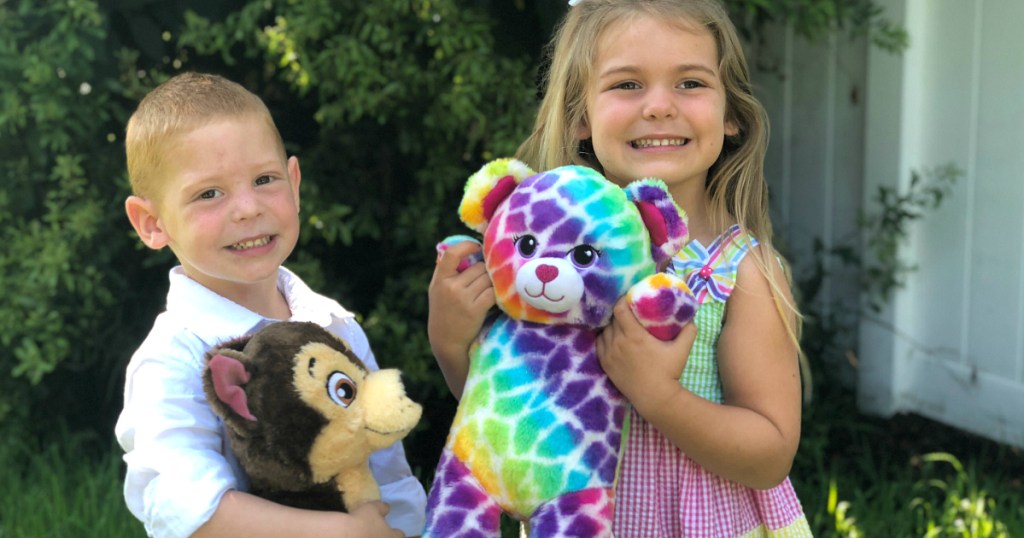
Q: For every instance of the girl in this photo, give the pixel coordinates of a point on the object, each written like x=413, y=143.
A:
x=660, y=88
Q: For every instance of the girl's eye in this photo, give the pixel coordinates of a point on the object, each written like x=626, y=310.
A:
x=628, y=85
x=263, y=180
x=526, y=245
x=691, y=84
x=584, y=255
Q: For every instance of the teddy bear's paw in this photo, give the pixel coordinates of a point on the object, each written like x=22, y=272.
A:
x=453, y=240
x=663, y=303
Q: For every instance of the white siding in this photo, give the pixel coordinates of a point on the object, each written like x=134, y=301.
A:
x=848, y=118
x=950, y=346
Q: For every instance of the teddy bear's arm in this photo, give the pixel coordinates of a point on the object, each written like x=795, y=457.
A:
x=357, y=486
x=663, y=304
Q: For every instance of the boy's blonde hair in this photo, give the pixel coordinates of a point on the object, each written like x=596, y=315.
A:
x=735, y=183
x=179, y=105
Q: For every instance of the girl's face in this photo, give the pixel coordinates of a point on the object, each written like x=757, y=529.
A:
x=230, y=204
x=656, y=104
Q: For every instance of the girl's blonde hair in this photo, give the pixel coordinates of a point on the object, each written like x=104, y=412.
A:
x=735, y=183
x=181, y=104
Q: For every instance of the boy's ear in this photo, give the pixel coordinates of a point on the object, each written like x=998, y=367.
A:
x=296, y=177
x=143, y=216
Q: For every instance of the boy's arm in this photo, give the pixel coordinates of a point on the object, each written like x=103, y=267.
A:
x=459, y=302
x=241, y=514
x=176, y=470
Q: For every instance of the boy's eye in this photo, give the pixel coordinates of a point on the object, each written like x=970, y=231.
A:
x=263, y=180
x=209, y=194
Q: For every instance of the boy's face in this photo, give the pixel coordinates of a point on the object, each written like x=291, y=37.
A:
x=229, y=205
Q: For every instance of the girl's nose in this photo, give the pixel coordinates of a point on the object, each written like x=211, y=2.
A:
x=659, y=104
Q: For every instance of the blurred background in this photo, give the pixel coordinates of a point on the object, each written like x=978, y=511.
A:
x=390, y=105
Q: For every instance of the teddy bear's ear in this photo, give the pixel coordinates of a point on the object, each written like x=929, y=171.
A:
x=487, y=188
x=228, y=375
x=664, y=220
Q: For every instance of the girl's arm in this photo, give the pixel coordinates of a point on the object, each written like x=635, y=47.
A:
x=241, y=514
x=458, y=306
x=751, y=438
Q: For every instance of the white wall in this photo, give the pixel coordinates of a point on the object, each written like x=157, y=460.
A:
x=814, y=93
x=951, y=347
x=848, y=118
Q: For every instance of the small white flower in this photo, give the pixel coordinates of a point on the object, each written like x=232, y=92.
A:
x=85, y=88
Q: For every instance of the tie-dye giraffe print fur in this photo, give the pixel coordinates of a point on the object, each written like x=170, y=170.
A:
x=537, y=431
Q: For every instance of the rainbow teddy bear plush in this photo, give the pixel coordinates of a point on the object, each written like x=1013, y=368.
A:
x=537, y=431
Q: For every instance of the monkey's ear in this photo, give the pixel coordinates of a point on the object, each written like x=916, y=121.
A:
x=228, y=376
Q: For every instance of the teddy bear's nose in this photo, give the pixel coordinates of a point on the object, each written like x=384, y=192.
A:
x=546, y=273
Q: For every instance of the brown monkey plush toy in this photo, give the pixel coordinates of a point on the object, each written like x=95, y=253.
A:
x=303, y=414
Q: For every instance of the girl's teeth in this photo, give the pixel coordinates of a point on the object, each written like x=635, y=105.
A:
x=649, y=143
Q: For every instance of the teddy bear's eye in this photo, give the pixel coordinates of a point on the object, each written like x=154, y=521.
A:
x=526, y=245
x=584, y=255
x=341, y=389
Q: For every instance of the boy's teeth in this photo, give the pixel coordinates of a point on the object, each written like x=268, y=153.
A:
x=653, y=143
x=251, y=243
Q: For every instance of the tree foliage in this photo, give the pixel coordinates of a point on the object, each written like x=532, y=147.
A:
x=389, y=105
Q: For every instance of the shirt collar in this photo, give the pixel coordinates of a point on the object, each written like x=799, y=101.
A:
x=212, y=317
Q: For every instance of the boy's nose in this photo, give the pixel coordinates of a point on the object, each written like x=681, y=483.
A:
x=246, y=206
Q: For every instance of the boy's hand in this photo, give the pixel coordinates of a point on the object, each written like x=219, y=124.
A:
x=369, y=521
x=458, y=305
x=643, y=367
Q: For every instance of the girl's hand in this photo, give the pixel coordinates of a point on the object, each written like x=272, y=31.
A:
x=646, y=370
x=458, y=304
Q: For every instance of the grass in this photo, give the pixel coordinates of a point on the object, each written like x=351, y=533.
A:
x=856, y=476
x=70, y=488
x=907, y=476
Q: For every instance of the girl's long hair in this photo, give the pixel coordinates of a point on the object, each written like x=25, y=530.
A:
x=735, y=183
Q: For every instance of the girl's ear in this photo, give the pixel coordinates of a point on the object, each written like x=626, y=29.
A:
x=730, y=127
x=143, y=216
x=583, y=131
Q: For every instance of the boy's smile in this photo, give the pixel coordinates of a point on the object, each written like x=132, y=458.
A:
x=229, y=209
x=656, y=103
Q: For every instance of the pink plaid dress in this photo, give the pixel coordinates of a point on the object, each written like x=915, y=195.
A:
x=661, y=492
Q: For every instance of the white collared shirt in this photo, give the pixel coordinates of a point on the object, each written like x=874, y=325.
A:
x=179, y=462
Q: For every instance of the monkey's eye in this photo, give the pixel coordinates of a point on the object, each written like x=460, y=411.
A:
x=341, y=389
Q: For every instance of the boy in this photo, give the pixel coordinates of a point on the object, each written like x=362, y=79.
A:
x=210, y=180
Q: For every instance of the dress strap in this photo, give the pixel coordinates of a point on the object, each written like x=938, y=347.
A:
x=711, y=272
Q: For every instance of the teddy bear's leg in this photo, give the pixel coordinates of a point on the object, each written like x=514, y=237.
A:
x=580, y=514
x=663, y=303
x=458, y=506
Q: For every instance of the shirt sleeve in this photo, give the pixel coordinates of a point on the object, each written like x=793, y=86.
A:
x=177, y=470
